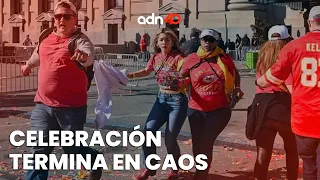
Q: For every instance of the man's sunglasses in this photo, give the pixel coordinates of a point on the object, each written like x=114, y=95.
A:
x=65, y=16
x=208, y=39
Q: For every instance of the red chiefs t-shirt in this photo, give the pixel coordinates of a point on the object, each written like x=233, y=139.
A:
x=60, y=82
x=165, y=67
x=143, y=45
x=302, y=58
x=207, y=90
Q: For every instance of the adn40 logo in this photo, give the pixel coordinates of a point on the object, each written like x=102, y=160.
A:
x=152, y=20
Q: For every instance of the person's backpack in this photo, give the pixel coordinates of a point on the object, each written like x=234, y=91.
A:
x=72, y=47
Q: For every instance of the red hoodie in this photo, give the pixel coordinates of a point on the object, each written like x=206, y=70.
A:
x=143, y=43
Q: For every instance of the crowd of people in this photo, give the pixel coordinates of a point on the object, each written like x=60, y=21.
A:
x=198, y=80
x=240, y=46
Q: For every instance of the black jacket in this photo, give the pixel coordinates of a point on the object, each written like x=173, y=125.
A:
x=190, y=46
x=275, y=106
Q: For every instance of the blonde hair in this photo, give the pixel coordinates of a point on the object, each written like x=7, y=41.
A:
x=173, y=37
x=268, y=54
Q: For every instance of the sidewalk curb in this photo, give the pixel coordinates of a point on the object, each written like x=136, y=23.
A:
x=183, y=136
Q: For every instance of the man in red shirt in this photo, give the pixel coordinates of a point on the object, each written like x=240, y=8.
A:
x=301, y=57
x=62, y=86
x=143, y=43
x=143, y=47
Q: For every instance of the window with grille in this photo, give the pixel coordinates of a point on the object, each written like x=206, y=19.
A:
x=113, y=33
x=18, y=6
x=119, y=3
x=15, y=35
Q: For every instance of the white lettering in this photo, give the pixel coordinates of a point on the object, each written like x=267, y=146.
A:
x=148, y=162
x=53, y=138
x=118, y=162
x=202, y=165
x=96, y=139
x=62, y=164
x=13, y=141
x=40, y=139
x=40, y=162
x=81, y=137
x=15, y=160
x=31, y=138
x=108, y=138
x=134, y=162
x=67, y=139
x=312, y=47
x=151, y=20
x=308, y=47
x=100, y=162
x=169, y=163
x=181, y=162
x=27, y=160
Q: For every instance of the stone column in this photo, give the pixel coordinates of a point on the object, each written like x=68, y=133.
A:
x=241, y=16
x=127, y=10
x=239, y=5
x=26, y=12
x=90, y=12
x=1, y=14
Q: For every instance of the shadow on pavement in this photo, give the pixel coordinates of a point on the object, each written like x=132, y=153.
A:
x=276, y=174
x=13, y=100
x=9, y=113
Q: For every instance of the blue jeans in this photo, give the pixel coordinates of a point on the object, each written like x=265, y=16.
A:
x=309, y=152
x=170, y=109
x=205, y=128
x=45, y=118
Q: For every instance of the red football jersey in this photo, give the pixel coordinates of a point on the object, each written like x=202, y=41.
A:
x=302, y=58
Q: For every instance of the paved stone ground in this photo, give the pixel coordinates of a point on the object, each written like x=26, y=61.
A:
x=130, y=108
x=132, y=105
x=228, y=163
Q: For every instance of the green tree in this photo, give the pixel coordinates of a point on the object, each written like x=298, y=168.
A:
x=260, y=30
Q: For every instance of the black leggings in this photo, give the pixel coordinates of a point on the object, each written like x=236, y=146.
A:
x=205, y=128
x=264, y=142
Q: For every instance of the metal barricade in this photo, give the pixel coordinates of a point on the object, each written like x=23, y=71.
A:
x=130, y=62
x=144, y=56
x=11, y=79
x=233, y=54
x=24, y=50
x=98, y=50
x=240, y=64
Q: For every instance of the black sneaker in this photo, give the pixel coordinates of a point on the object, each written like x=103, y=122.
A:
x=96, y=174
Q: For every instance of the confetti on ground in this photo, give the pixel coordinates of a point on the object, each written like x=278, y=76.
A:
x=83, y=174
x=188, y=142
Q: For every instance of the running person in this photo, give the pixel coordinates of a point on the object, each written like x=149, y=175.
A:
x=209, y=111
x=301, y=57
x=171, y=103
x=273, y=106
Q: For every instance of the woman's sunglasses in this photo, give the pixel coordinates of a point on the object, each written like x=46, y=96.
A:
x=208, y=39
x=65, y=16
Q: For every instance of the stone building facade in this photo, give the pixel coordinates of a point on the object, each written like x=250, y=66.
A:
x=114, y=22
